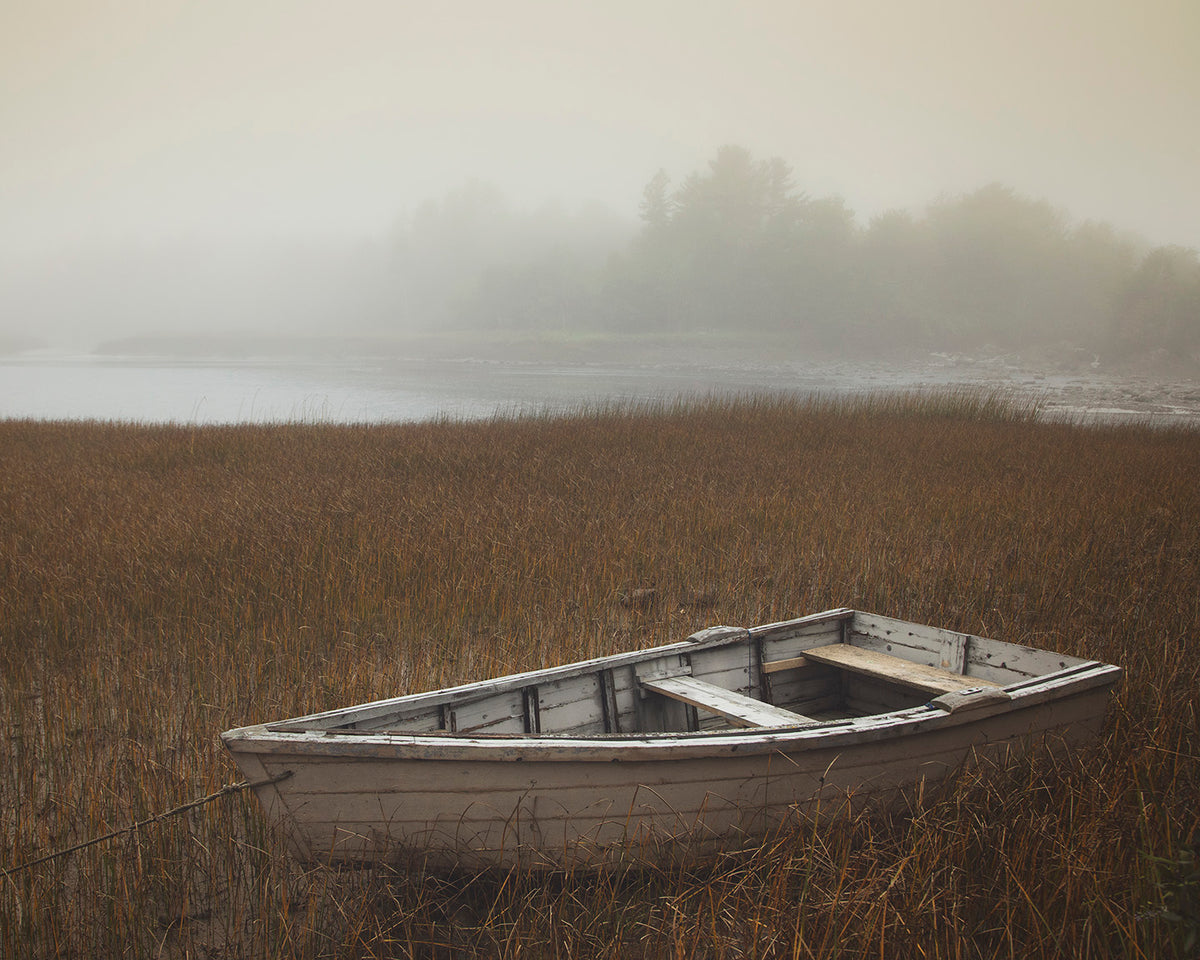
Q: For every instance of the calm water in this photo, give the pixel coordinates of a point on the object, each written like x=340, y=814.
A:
x=153, y=390
x=54, y=386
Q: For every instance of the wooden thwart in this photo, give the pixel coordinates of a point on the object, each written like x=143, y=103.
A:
x=872, y=663
x=737, y=709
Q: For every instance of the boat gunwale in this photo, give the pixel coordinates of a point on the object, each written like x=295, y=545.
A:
x=424, y=746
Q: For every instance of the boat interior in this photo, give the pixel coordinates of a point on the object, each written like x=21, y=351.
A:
x=837, y=665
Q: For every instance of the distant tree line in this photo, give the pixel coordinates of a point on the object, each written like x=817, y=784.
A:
x=737, y=248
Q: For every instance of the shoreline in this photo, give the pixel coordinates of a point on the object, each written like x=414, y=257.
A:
x=481, y=378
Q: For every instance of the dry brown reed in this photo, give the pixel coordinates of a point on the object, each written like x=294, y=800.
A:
x=159, y=584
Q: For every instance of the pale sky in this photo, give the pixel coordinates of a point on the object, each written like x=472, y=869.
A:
x=134, y=121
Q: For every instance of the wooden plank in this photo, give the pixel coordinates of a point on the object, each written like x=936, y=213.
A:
x=818, y=680
x=953, y=651
x=980, y=657
x=793, y=642
x=570, y=704
x=500, y=713
x=531, y=709
x=739, y=710
x=872, y=663
x=913, y=642
x=608, y=702
x=1010, y=662
x=866, y=696
x=790, y=663
x=734, y=679
x=791, y=628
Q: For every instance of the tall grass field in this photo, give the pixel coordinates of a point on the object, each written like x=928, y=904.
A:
x=160, y=584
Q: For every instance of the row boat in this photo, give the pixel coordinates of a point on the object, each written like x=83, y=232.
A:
x=677, y=751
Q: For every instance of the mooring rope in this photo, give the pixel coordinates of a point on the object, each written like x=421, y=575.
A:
x=228, y=790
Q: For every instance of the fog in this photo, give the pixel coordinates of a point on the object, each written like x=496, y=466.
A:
x=285, y=166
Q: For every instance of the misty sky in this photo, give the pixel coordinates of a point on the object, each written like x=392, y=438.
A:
x=130, y=122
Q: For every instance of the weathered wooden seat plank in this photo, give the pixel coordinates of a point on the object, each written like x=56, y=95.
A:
x=737, y=709
x=872, y=663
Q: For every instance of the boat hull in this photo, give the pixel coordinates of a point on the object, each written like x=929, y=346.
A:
x=440, y=803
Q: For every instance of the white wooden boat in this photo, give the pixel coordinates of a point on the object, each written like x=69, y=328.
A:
x=677, y=751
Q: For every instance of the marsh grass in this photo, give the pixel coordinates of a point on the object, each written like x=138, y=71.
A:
x=161, y=584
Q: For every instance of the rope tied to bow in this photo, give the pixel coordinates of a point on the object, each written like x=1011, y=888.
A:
x=227, y=790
